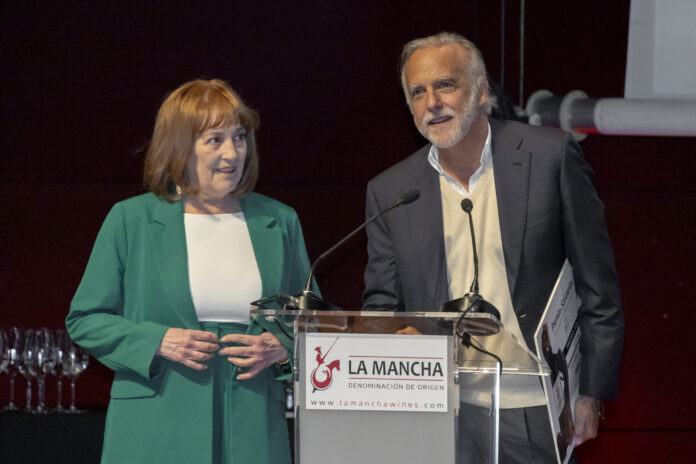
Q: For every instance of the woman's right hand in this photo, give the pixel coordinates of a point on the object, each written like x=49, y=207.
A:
x=188, y=347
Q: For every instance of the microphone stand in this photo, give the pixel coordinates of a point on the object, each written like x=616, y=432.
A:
x=307, y=299
x=488, y=320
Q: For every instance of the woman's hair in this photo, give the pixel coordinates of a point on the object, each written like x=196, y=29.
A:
x=186, y=113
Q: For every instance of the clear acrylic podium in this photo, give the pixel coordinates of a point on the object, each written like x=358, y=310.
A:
x=465, y=431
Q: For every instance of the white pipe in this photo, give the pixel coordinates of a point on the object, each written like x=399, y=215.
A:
x=581, y=115
x=618, y=116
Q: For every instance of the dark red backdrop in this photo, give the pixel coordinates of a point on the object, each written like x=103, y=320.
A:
x=81, y=84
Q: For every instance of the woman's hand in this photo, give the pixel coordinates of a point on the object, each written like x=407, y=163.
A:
x=258, y=352
x=188, y=347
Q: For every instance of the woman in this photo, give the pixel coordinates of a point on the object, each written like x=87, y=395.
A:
x=168, y=286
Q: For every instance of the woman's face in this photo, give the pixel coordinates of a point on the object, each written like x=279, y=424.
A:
x=217, y=162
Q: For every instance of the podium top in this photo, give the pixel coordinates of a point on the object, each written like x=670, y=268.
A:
x=515, y=356
x=375, y=313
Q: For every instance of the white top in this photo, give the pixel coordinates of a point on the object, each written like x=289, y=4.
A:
x=516, y=391
x=223, y=274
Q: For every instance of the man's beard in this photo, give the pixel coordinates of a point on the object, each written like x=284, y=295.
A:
x=446, y=138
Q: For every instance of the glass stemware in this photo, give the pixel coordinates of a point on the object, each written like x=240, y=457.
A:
x=38, y=362
x=12, y=355
x=74, y=363
x=59, y=350
x=22, y=368
x=4, y=358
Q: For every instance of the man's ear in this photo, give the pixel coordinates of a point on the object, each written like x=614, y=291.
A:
x=483, y=92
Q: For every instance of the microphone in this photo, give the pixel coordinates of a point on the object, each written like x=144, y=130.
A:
x=406, y=198
x=307, y=299
x=488, y=320
x=467, y=206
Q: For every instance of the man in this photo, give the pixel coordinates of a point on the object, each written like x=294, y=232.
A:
x=535, y=205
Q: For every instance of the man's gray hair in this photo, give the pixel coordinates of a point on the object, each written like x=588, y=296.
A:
x=476, y=68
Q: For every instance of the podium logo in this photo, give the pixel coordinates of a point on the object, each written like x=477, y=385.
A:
x=322, y=375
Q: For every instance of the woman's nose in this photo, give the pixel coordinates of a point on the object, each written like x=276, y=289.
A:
x=229, y=149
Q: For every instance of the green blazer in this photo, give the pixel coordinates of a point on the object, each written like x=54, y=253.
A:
x=134, y=288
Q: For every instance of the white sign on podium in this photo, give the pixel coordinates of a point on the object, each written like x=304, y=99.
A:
x=369, y=372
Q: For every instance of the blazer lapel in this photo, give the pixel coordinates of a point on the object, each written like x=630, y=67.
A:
x=511, y=167
x=425, y=218
x=168, y=242
x=267, y=241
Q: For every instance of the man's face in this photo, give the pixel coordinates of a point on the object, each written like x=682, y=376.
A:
x=443, y=102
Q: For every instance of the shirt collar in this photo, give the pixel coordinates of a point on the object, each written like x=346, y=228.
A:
x=434, y=160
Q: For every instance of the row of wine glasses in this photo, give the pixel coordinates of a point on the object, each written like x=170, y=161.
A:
x=35, y=353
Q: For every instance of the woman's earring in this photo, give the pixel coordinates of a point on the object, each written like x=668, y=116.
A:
x=179, y=190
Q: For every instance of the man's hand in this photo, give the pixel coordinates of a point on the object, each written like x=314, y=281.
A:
x=188, y=347
x=587, y=414
x=408, y=330
x=256, y=353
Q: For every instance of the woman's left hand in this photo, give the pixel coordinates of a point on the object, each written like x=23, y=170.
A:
x=258, y=352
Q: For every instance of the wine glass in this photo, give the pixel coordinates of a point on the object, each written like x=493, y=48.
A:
x=22, y=368
x=38, y=362
x=59, y=350
x=12, y=355
x=75, y=361
x=4, y=358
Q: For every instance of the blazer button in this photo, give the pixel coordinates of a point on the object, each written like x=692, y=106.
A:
x=523, y=315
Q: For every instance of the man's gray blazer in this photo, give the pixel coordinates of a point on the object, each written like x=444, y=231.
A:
x=549, y=210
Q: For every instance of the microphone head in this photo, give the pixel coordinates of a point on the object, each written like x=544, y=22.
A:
x=467, y=205
x=410, y=197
